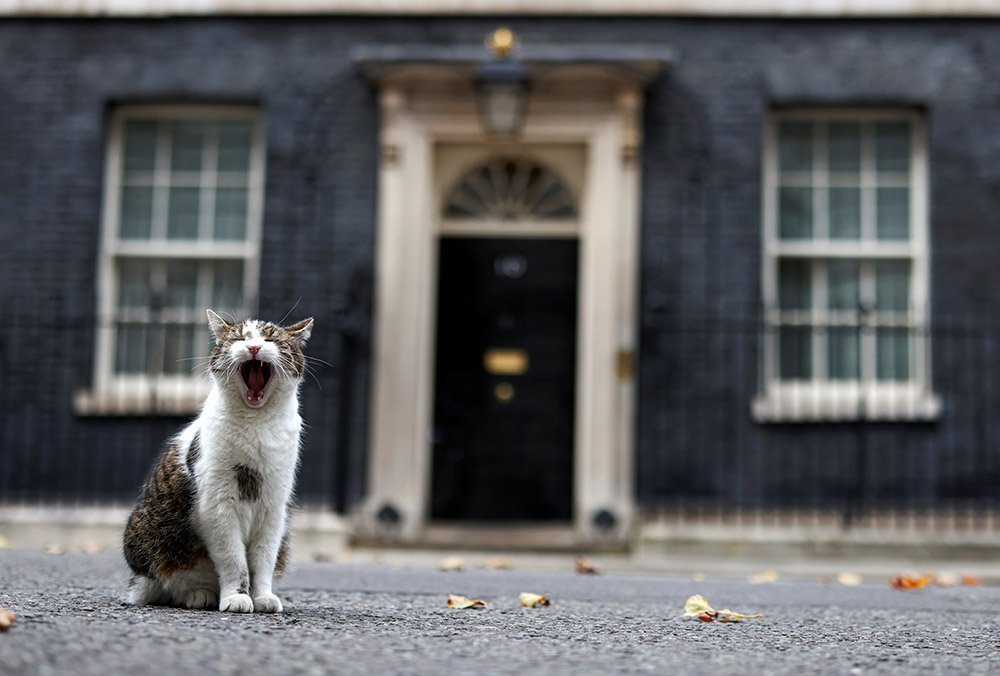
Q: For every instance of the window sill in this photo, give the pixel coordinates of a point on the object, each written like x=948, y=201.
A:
x=828, y=402
x=133, y=399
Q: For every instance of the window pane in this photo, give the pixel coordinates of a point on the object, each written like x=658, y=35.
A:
x=843, y=288
x=795, y=146
x=133, y=284
x=893, y=213
x=892, y=146
x=795, y=213
x=230, y=213
x=131, y=348
x=182, y=217
x=845, y=147
x=843, y=353
x=235, y=140
x=179, y=355
x=893, y=353
x=794, y=285
x=140, y=145
x=845, y=213
x=796, y=352
x=186, y=147
x=227, y=291
x=892, y=285
x=182, y=285
x=136, y=213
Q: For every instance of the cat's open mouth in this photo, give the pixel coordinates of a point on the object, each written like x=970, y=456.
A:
x=256, y=375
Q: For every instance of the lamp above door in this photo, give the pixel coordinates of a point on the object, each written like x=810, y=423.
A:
x=502, y=86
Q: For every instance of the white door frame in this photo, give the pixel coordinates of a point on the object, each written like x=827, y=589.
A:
x=413, y=121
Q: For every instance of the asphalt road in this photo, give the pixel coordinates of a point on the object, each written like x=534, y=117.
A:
x=376, y=619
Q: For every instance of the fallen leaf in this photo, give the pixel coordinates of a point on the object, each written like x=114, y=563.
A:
x=911, y=582
x=699, y=576
x=4, y=542
x=55, y=549
x=529, y=600
x=697, y=606
x=452, y=564
x=763, y=577
x=971, y=581
x=584, y=567
x=461, y=602
x=849, y=579
x=498, y=563
x=94, y=547
x=947, y=580
x=6, y=619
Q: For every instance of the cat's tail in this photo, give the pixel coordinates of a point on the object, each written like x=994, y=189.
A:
x=143, y=591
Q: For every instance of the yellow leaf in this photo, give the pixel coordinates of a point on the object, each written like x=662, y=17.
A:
x=971, y=581
x=529, y=600
x=452, y=564
x=697, y=606
x=849, y=579
x=6, y=619
x=727, y=615
x=498, y=563
x=461, y=602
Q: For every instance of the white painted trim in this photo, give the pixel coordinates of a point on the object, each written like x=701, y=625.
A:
x=820, y=398
x=413, y=124
x=738, y=8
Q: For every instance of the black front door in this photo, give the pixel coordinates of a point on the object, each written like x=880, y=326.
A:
x=505, y=380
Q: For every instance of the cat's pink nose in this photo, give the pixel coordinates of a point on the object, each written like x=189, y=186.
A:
x=254, y=349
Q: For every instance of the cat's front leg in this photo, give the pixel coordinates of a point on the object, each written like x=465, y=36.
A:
x=262, y=556
x=225, y=547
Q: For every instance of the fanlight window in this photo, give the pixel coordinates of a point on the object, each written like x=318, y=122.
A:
x=507, y=188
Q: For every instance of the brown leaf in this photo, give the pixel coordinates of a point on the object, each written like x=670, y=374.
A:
x=498, y=563
x=763, y=577
x=584, y=567
x=6, y=619
x=529, y=600
x=904, y=582
x=971, y=581
x=462, y=602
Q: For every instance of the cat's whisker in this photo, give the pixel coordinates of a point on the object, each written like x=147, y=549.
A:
x=290, y=311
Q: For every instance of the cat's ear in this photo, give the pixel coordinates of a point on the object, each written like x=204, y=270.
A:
x=301, y=331
x=219, y=326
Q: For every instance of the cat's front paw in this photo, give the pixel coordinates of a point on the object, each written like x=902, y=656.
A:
x=267, y=603
x=200, y=599
x=236, y=603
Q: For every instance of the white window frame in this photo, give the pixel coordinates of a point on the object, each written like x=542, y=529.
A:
x=168, y=394
x=819, y=399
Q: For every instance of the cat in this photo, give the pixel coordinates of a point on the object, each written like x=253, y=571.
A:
x=211, y=524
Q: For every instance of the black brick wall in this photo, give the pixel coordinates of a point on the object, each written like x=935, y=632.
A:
x=700, y=234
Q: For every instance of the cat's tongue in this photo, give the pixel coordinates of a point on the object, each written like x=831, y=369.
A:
x=255, y=377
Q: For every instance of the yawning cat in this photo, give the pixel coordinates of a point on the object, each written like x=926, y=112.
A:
x=211, y=524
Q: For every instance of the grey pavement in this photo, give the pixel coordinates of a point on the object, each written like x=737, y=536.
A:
x=377, y=618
